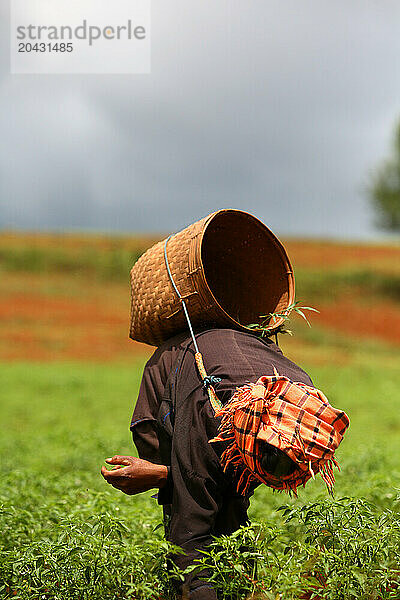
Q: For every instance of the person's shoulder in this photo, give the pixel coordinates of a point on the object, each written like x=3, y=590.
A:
x=242, y=339
x=227, y=334
x=262, y=350
x=168, y=349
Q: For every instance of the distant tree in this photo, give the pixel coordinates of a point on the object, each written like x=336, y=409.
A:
x=384, y=190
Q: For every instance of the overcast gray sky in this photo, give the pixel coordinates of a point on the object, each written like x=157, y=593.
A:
x=278, y=108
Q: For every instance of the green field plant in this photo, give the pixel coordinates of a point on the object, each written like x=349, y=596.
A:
x=66, y=535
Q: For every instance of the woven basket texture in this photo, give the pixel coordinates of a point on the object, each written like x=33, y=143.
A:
x=228, y=267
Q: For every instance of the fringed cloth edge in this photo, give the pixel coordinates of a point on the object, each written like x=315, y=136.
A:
x=293, y=417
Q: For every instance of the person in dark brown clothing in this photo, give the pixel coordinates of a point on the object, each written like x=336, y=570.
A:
x=172, y=424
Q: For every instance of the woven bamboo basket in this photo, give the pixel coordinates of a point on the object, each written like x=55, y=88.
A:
x=229, y=268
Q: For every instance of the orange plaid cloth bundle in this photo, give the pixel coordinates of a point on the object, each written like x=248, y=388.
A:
x=294, y=417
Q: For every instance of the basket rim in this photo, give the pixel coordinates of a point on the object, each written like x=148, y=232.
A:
x=283, y=254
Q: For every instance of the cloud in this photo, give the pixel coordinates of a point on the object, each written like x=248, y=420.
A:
x=276, y=108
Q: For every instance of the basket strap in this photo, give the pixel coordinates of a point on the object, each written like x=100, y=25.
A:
x=207, y=381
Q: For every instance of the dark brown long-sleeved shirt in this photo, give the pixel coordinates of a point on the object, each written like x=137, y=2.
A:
x=173, y=421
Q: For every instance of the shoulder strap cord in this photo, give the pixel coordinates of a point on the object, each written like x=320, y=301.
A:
x=208, y=381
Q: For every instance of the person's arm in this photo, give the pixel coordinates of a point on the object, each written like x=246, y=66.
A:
x=133, y=475
x=143, y=424
x=152, y=388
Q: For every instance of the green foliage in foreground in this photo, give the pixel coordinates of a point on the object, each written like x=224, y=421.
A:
x=66, y=535
x=345, y=549
x=76, y=548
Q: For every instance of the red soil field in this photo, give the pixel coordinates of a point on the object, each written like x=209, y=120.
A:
x=40, y=327
x=322, y=254
x=62, y=316
x=380, y=321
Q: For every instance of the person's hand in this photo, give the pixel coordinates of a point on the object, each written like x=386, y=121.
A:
x=135, y=476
